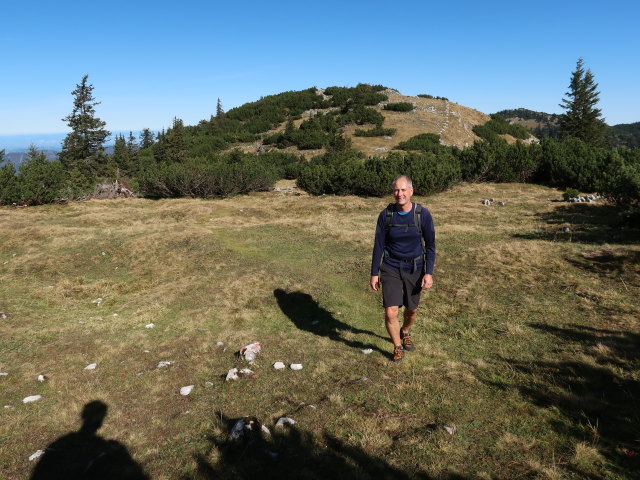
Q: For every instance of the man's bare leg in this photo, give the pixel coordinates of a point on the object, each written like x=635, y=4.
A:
x=393, y=327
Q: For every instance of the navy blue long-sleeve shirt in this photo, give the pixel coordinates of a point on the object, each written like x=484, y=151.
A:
x=404, y=242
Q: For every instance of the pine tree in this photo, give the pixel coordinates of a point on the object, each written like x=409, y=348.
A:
x=83, y=148
x=582, y=119
x=146, y=138
x=121, y=155
x=219, y=110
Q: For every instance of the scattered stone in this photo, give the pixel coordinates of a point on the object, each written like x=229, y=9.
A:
x=381, y=149
x=282, y=421
x=149, y=325
x=208, y=384
x=232, y=374
x=4, y=374
x=115, y=315
x=49, y=286
x=265, y=430
x=246, y=371
x=279, y=365
x=250, y=351
x=566, y=229
x=313, y=407
x=31, y=398
x=220, y=344
x=3, y=315
x=360, y=380
x=492, y=200
x=104, y=253
x=184, y=391
x=41, y=378
x=37, y=454
x=386, y=137
x=100, y=319
x=139, y=374
x=145, y=351
x=97, y=301
x=295, y=366
x=502, y=203
x=14, y=254
x=8, y=407
x=91, y=366
x=367, y=351
x=5, y=262
x=449, y=430
x=164, y=363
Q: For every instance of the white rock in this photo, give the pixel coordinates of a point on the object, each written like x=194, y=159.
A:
x=367, y=351
x=449, y=430
x=282, y=421
x=4, y=374
x=14, y=254
x=232, y=374
x=3, y=315
x=149, y=325
x=278, y=365
x=8, y=407
x=104, y=253
x=35, y=455
x=91, y=366
x=41, y=378
x=145, y=351
x=31, y=398
x=164, y=363
x=184, y=391
x=115, y=315
x=220, y=344
x=97, y=301
x=209, y=384
x=246, y=371
x=5, y=262
x=265, y=430
x=295, y=366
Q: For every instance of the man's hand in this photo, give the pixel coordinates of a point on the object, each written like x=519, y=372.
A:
x=375, y=282
x=427, y=281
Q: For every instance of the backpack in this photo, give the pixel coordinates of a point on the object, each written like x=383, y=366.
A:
x=417, y=219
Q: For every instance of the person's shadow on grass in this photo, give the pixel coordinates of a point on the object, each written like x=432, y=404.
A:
x=308, y=315
x=85, y=455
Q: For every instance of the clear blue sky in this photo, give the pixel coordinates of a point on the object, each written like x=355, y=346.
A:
x=151, y=61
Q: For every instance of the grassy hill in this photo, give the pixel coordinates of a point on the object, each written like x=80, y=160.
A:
x=526, y=347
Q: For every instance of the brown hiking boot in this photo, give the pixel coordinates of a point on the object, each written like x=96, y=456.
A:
x=398, y=354
x=407, y=343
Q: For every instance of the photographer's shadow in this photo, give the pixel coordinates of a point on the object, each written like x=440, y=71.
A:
x=85, y=455
x=308, y=315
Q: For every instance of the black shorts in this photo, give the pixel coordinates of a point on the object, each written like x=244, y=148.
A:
x=400, y=287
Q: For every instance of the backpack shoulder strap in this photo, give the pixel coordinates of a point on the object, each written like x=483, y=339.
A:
x=418, y=218
x=389, y=215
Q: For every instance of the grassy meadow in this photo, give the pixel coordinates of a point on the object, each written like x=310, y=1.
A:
x=527, y=346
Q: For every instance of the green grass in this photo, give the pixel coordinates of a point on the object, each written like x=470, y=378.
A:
x=527, y=344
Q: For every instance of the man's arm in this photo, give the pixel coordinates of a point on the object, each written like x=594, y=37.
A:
x=378, y=251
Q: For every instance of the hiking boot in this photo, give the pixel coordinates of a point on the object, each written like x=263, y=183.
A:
x=398, y=354
x=407, y=343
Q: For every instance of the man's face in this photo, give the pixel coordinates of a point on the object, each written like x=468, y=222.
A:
x=402, y=192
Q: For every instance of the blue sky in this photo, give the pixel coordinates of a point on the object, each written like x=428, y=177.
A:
x=151, y=61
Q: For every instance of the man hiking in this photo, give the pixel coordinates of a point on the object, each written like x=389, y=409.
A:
x=404, y=253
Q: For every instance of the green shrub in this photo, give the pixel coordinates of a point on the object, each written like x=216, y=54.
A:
x=570, y=193
x=424, y=142
x=424, y=95
x=40, y=181
x=497, y=161
x=399, y=107
x=9, y=192
x=376, y=131
x=498, y=125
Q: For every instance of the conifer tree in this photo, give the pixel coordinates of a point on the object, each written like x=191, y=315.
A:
x=83, y=149
x=121, y=155
x=146, y=138
x=582, y=119
x=219, y=110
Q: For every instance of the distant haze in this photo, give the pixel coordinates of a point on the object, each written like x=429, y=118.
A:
x=46, y=141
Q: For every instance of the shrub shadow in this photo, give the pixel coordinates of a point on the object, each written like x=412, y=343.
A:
x=588, y=223
x=288, y=452
x=598, y=398
x=308, y=315
x=85, y=455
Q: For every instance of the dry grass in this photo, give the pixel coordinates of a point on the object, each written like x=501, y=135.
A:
x=515, y=341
